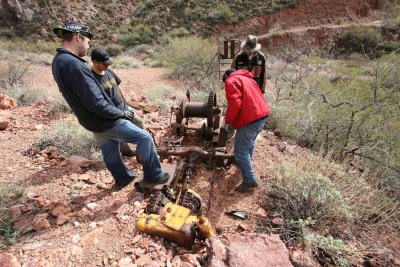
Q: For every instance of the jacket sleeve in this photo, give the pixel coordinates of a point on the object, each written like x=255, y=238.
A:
x=234, y=97
x=91, y=96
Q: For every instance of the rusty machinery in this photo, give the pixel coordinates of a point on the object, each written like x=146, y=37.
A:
x=174, y=211
x=212, y=131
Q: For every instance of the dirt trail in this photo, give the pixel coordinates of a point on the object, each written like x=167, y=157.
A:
x=263, y=37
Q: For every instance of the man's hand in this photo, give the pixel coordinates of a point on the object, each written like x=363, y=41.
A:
x=128, y=114
x=229, y=128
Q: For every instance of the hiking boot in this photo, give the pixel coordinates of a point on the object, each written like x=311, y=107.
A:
x=162, y=180
x=245, y=187
x=120, y=185
x=129, y=153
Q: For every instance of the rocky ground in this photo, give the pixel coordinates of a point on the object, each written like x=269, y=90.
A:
x=69, y=215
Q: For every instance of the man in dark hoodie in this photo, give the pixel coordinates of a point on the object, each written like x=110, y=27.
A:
x=95, y=110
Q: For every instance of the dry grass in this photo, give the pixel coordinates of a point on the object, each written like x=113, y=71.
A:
x=158, y=95
x=70, y=138
x=322, y=202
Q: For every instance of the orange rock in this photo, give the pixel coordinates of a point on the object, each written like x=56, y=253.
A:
x=58, y=208
x=40, y=222
x=8, y=260
x=61, y=219
x=7, y=102
x=91, y=236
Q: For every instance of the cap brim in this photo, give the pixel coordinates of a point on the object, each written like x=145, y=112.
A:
x=59, y=31
x=108, y=62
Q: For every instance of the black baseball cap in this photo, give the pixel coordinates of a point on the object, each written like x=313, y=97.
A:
x=101, y=55
x=227, y=73
x=74, y=27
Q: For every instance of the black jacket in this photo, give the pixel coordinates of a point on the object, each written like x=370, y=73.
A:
x=256, y=66
x=93, y=108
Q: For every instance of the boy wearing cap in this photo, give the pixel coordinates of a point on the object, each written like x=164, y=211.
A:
x=96, y=111
x=251, y=59
x=110, y=82
x=247, y=111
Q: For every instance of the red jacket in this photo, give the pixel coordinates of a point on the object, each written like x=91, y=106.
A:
x=246, y=103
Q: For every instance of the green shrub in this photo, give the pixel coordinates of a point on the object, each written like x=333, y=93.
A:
x=57, y=103
x=227, y=14
x=330, y=250
x=142, y=48
x=156, y=64
x=70, y=138
x=199, y=96
x=158, y=96
x=361, y=40
x=192, y=14
x=125, y=61
x=353, y=117
x=302, y=195
x=190, y=58
x=32, y=45
x=7, y=33
x=179, y=32
x=26, y=95
x=114, y=49
x=12, y=75
x=293, y=3
x=140, y=34
x=9, y=193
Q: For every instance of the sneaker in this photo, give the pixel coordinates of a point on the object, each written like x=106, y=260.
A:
x=245, y=187
x=128, y=154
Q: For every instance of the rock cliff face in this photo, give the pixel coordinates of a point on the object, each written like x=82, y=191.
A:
x=14, y=11
x=33, y=17
x=307, y=13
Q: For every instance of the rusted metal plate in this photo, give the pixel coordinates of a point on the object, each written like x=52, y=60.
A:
x=168, y=168
x=145, y=107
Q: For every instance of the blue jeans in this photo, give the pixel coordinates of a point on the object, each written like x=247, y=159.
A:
x=125, y=149
x=244, y=146
x=127, y=132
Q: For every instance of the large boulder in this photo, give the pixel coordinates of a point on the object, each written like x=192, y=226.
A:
x=250, y=250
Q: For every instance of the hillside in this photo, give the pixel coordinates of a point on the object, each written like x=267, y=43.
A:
x=134, y=22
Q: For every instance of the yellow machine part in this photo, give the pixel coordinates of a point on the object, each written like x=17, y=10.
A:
x=205, y=228
x=173, y=223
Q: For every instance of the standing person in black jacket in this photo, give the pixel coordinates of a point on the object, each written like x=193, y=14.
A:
x=96, y=111
x=251, y=59
x=110, y=82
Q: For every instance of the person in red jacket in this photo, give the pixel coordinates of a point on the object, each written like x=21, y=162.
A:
x=247, y=111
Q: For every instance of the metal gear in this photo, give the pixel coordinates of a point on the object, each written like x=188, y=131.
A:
x=211, y=103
